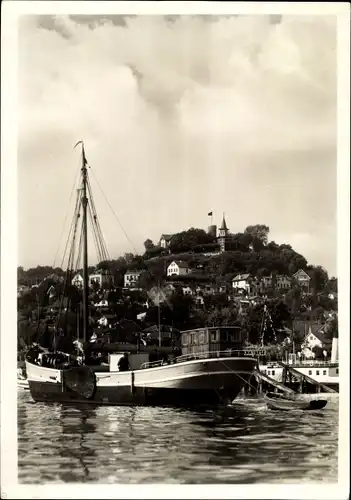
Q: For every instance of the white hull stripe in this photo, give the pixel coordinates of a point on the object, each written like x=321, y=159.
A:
x=101, y=382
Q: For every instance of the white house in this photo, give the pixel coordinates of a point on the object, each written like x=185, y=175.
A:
x=102, y=279
x=178, y=268
x=165, y=240
x=303, y=279
x=242, y=282
x=78, y=281
x=187, y=290
x=131, y=278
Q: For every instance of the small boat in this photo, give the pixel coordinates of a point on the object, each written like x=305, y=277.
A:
x=276, y=401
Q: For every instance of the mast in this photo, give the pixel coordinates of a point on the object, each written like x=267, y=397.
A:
x=85, y=244
x=159, y=315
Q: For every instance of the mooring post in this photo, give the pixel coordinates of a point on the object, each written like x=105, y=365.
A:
x=132, y=386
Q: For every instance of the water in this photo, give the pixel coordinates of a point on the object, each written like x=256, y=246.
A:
x=245, y=444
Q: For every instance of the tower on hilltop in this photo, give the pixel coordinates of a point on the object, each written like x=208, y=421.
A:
x=223, y=235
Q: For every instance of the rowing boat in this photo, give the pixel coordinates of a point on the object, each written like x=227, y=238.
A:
x=277, y=401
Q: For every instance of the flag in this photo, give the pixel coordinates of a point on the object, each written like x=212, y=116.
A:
x=210, y=214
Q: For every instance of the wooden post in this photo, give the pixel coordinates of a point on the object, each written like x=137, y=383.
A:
x=284, y=375
x=301, y=385
x=132, y=386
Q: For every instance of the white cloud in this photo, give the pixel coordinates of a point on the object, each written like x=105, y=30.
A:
x=175, y=117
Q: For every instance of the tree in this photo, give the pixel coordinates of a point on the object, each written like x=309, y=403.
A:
x=319, y=277
x=148, y=244
x=188, y=240
x=259, y=232
x=331, y=328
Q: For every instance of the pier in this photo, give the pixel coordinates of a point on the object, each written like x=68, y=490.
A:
x=289, y=372
x=274, y=384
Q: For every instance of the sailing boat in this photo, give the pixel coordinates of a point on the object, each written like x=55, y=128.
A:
x=206, y=378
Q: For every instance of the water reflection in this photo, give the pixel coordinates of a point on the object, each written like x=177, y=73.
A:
x=244, y=444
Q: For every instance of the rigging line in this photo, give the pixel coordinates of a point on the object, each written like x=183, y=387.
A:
x=98, y=237
x=96, y=242
x=237, y=374
x=76, y=211
x=71, y=253
x=65, y=219
x=95, y=219
x=79, y=253
x=114, y=213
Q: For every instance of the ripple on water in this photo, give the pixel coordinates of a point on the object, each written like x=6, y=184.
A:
x=249, y=444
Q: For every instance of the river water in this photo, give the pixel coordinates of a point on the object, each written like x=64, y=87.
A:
x=244, y=444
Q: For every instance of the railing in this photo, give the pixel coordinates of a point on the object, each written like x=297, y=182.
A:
x=229, y=353
x=310, y=362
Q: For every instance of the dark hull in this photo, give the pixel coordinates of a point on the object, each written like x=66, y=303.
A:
x=52, y=392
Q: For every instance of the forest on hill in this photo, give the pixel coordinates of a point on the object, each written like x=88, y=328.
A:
x=246, y=252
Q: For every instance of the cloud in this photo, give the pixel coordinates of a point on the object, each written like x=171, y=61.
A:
x=179, y=117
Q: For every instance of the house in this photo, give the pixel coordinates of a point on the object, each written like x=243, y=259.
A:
x=282, y=282
x=242, y=282
x=178, y=268
x=102, y=279
x=131, y=279
x=165, y=240
x=187, y=290
x=199, y=300
x=102, y=304
x=303, y=279
x=266, y=282
x=315, y=337
x=78, y=280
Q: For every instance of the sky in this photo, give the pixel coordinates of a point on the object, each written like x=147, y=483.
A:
x=180, y=116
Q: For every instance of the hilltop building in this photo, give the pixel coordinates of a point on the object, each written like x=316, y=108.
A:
x=223, y=233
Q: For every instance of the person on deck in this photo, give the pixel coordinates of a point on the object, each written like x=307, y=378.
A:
x=123, y=363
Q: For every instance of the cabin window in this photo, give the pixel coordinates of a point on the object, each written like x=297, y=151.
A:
x=273, y=372
x=268, y=372
x=202, y=338
x=214, y=336
x=310, y=372
x=337, y=371
x=317, y=372
x=185, y=339
x=324, y=372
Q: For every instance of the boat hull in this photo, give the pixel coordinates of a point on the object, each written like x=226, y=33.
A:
x=277, y=402
x=197, y=382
